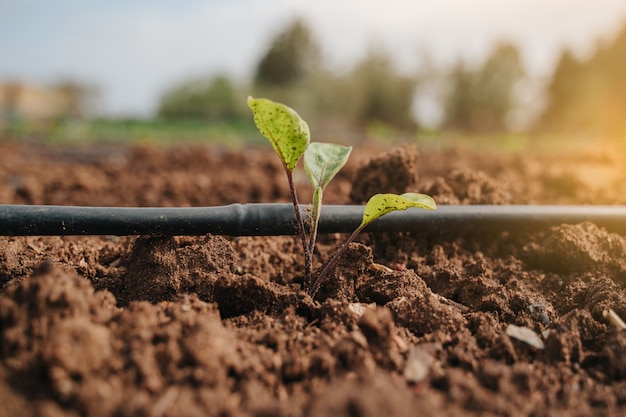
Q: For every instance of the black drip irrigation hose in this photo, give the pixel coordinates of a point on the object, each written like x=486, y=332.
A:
x=279, y=219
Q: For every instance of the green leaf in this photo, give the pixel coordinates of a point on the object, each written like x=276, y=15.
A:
x=381, y=204
x=322, y=161
x=286, y=131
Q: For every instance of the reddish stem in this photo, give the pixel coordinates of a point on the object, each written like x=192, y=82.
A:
x=308, y=257
x=331, y=262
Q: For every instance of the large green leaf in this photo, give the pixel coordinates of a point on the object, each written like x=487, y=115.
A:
x=285, y=129
x=322, y=161
x=381, y=204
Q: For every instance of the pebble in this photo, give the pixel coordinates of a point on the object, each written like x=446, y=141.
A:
x=525, y=335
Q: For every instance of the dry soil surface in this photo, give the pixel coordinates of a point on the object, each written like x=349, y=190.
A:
x=506, y=325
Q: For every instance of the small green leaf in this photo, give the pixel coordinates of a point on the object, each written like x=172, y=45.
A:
x=381, y=204
x=421, y=200
x=285, y=129
x=322, y=161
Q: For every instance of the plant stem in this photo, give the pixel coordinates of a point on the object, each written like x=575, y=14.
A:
x=331, y=262
x=315, y=218
x=308, y=256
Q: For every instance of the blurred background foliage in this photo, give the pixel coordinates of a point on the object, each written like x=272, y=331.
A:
x=480, y=100
x=210, y=100
x=589, y=95
x=584, y=95
x=292, y=56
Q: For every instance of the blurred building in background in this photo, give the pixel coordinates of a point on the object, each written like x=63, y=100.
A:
x=39, y=107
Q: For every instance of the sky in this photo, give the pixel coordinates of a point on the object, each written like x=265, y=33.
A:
x=133, y=51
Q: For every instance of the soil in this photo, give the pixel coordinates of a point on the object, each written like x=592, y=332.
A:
x=218, y=326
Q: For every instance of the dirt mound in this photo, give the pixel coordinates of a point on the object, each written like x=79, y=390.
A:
x=392, y=172
x=579, y=248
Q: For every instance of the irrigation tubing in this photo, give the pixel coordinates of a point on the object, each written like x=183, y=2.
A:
x=279, y=219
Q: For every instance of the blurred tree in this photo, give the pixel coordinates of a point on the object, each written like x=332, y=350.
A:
x=293, y=72
x=460, y=101
x=214, y=99
x=376, y=92
x=589, y=95
x=613, y=79
x=566, y=85
x=292, y=55
x=480, y=100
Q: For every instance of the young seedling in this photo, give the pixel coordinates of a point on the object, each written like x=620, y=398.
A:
x=377, y=206
x=290, y=137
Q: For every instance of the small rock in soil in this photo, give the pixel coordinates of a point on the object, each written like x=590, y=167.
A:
x=418, y=364
x=524, y=334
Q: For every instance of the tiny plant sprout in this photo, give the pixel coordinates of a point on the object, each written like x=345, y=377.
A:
x=289, y=136
x=377, y=206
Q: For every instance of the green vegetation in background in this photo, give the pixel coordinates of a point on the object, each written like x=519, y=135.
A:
x=213, y=100
x=291, y=70
x=371, y=94
x=137, y=131
x=583, y=95
x=129, y=132
x=167, y=131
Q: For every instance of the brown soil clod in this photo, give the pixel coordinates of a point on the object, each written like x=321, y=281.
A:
x=392, y=172
x=341, y=282
x=579, y=248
